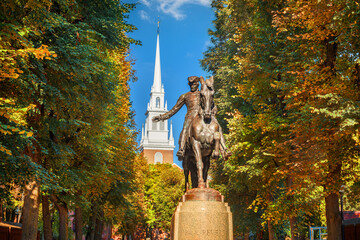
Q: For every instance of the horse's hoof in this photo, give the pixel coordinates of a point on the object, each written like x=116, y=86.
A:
x=215, y=154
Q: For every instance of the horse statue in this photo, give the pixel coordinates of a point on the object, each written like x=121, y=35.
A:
x=201, y=137
x=204, y=139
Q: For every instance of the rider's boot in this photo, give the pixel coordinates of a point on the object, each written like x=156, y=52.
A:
x=181, y=153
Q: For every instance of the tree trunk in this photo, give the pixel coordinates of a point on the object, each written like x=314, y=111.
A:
x=78, y=223
x=99, y=227
x=293, y=222
x=293, y=228
x=63, y=218
x=1, y=210
x=92, y=223
x=13, y=215
x=333, y=217
x=271, y=230
x=91, y=228
x=107, y=231
x=331, y=52
x=63, y=223
x=46, y=218
x=7, y=215
x=246, y=236
x=30, y=211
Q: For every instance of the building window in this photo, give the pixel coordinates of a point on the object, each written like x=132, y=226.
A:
x=158, y=158
x=162, y=125
x=158, y=102
x=154, y=124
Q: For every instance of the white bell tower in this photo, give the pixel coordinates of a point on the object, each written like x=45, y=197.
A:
x=157, y=141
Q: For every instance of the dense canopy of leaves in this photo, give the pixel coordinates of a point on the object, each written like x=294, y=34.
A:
x=287, y=80
x=65, y=114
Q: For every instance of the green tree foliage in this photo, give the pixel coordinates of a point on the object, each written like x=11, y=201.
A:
x=65, y=114
x=164, y=187
x=287, y=76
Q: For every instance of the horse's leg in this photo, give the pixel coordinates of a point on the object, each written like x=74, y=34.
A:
x=193, y=174
x=206, y=162
x=185, y=165
x=217, y=137
x=199, y=164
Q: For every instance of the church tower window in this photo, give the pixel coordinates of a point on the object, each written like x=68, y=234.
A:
x=157, y=102
x=158, y=158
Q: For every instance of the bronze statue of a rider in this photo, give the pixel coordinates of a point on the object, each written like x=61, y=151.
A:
x=192, y=101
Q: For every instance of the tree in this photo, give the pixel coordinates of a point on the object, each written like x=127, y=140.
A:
x=293, y=116
x=65, y=72
x=257, y=107
x=323, y=76
x=163, y=190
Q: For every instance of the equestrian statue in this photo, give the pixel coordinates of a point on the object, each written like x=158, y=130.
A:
x=201, y=137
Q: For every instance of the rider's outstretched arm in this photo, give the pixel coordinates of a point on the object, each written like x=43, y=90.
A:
x=180, y=102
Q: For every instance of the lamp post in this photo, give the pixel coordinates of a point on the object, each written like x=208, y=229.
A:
x=341, y=191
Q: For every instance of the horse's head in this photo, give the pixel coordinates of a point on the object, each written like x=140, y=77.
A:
x=207, y=97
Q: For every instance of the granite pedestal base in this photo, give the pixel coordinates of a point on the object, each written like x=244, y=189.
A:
x=202, y=215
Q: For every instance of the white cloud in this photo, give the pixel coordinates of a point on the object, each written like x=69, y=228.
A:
x=173, y=7
x=144, y=15
x=145, y=2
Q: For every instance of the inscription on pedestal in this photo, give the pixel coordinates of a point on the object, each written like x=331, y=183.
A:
x=210, y=234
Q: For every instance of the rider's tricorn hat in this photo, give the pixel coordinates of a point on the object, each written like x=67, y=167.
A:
x=193, y=79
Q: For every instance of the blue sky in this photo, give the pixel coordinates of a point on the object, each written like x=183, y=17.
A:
x=184, y=37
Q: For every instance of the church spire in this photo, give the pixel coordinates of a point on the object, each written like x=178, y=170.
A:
x=158, y=23
x=156, y=141
x=157, y=86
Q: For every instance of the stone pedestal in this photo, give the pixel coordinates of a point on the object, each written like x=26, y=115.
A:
x=202, y=215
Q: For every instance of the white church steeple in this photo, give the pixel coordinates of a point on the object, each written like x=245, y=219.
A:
x=156, y=142
x=157, y=86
